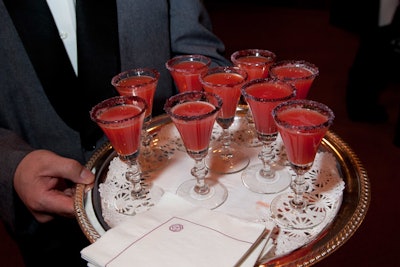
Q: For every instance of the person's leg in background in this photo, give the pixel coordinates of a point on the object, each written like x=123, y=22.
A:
x=395, y=43
x=368, y=76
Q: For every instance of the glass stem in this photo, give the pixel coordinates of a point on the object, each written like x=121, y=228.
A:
x=146, y=138
x=226, y=143
x=267, y=156
x=134, y=175
x=199, y=171
x=299, y=187
x=249, y=117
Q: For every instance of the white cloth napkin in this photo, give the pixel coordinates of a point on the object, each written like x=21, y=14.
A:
x=177, y=233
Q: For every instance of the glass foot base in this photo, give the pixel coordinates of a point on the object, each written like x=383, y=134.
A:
x=216, y=197
x=226, y=163
x=253, y=180
x=290, y=217
x=127, y=204
x=153, y=160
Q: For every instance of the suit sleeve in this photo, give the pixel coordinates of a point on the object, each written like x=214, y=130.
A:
x=191, y=31
x=13, y=150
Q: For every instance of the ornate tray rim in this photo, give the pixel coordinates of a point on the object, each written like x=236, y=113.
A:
x=356, y=200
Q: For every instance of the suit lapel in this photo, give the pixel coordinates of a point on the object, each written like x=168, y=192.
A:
x=34, y=23
x=98, y=56
x=70, y=96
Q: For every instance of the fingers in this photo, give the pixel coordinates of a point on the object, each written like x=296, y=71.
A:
x=57, y=202
x=54, y=203
x=57, y=166
x=40, y=182
x=48, y=197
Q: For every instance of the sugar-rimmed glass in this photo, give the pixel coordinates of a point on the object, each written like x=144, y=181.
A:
x=121, y=119
x=263, y=95
x=225, y=155
x=298, y=72
x=194, y=114
x=186, y=69
x=302, y=124
x=143, y=82
x=256, y=63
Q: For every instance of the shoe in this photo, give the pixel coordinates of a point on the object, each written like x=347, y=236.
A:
x=374, y=114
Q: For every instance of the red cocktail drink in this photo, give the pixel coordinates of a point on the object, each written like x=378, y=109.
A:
x=140, y=82
x=122, y=131
x=195, y=134
x=186, y=75
x=303, y=139
x=185, y=70
x=121, y=119
x=300, y=73
x=148, y=88
x=226, y=83
x=255, y=62
x=254, y=71
x=262, y=98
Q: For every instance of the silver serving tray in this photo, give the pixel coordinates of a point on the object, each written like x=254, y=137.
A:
x=355, y=203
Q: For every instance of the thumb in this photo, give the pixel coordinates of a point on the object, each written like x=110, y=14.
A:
x=53, y=165
x=75, y=172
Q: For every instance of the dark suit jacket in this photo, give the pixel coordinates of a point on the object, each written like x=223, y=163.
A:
x=150, y=33
x=357, y=16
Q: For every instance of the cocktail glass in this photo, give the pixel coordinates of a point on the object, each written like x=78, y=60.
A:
x=194, y=114
x=185, y=71
x=263, y=95
x=302, y=124
x=142, y=82
x=298, y=72
x=121, y=119
x=225, y=155
x=256, y=63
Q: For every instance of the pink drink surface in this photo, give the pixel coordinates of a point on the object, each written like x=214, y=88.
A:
x=255, y=66
x=302, y=146
x=262, y=110
x=297, y=76
x=186, y=75
x=229, y=94
x=141, y=86
x=124, y=136
x=196, y=133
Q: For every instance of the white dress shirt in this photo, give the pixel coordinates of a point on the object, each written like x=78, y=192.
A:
x=63, y=12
